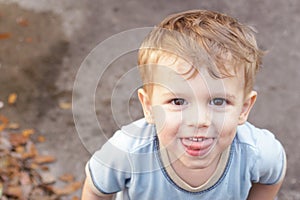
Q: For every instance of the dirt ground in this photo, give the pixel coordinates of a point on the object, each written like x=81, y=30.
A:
x=44, y=43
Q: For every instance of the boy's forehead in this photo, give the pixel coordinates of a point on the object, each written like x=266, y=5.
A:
x=175, y=73
x=176, y=64
x=182, y=65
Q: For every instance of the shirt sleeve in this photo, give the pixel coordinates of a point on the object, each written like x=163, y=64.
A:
x=109, y=169
x=270, y=165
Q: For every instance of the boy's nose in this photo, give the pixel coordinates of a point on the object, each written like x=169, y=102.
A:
x=198, y=117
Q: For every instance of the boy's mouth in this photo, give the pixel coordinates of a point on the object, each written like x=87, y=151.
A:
x=197, y=146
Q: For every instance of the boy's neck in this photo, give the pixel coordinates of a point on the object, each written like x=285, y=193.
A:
x=195, y=177
x=195, y=180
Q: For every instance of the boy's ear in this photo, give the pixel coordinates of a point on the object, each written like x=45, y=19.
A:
x=247, y=106
x=146, y=104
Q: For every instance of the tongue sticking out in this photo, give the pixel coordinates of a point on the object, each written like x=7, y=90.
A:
x=197, y=146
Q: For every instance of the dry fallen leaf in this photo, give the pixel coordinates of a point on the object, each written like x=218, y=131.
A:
x=26, y=191
x=17, y=139
x=28, y=39
x=22, y=21
x=67, y=178
x=31, y=151
x=4, y=162
x=5, y=146
x=20, y=149
x=42, y=159
x=65, y=105
x=13, y=126
x=15, y=191
x=25, y=178
x=39, y=193
x=4, y=36
x=23, y=172
x=28, y=132
x=68, y=189
x=47, y=178
x=34, y=166
x=41, y=139
x=3, y=122
x=12, y=98
x=44, y=167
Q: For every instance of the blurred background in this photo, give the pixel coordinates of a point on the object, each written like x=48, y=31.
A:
x=42, y=46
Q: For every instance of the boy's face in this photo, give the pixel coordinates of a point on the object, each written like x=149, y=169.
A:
x=196, y=117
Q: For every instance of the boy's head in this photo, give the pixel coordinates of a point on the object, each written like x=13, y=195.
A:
x=206, y=39
x=198, y=69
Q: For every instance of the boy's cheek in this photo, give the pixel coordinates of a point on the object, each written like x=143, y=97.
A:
x=225, y=123
x=164, y=119
x=159, y=117
x=228, y=130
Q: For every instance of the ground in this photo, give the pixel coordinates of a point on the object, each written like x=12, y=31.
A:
x=44, y=43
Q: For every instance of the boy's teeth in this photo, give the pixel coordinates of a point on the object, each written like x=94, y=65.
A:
x=196, y=139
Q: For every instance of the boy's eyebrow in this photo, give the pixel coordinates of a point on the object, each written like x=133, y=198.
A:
x=170, y=93
x=228, y=96
x=225, y=95
x=173, y=94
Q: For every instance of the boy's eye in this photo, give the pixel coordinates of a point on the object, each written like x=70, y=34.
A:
x=218, y=102
x=178, y=102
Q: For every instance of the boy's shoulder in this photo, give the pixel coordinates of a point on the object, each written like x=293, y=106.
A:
x=264, y=151
x=133, y=143
x=259, y=145
x=134, y=136
x=248, y=134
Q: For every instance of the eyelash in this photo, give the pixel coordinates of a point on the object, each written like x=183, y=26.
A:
x=178, y=102
x=213, y=102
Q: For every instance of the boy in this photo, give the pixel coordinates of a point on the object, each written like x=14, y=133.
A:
x=198, y=69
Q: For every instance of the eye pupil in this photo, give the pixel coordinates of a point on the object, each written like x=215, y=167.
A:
x=178, y=102
x=218, y=101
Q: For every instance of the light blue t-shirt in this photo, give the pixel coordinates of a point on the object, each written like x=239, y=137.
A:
x=130, y=164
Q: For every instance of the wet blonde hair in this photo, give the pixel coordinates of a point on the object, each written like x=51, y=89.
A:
x=204, y=39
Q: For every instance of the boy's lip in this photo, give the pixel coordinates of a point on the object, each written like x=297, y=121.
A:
x=197, y=146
